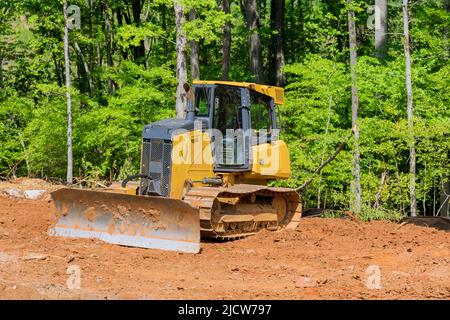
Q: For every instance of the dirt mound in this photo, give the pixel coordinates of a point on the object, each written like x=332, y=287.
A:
x=29, y=183
x=27, y=188
x=322, y=259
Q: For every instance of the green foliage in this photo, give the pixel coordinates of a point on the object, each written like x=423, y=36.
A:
x=368, y=214
x=371, y=214
x=318, y=83
x=13, y=120
x=45, y=133
x=208, y=23
x=109, y=136
x=317, y=112
x=131, y=35
x=331, y=214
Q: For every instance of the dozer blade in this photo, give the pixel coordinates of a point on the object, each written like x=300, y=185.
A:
x=130, y=220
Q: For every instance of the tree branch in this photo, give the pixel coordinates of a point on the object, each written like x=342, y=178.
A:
x=323, y=165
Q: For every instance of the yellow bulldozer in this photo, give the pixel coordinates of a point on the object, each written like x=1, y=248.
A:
x=202, y=176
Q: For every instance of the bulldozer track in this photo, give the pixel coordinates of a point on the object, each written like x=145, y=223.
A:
x=242, y=210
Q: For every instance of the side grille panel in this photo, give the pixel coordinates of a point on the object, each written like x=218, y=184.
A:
x=166, y=169
x=156, y=163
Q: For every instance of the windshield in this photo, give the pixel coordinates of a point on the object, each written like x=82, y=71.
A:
x=227, y=111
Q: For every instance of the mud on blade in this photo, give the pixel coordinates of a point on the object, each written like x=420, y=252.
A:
x=136, y=221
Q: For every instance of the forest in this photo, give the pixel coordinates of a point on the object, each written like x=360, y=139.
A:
x=371, y=74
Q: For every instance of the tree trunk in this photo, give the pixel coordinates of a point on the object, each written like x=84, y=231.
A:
x=164, y=26
x=327, y=128
x=254, y=40
x=277, y=24
x=356, y=187
x=58, y=72
x=447, y=8
x=445, y=206
x=381, y=28
x=80, y=74
x=120, y=23
x=226, y=47
x=99, y=54
x=69, y=177
x=86, y=68
x=301, y=21
x=195, y=48
x=290, y=26
x=1, y=70
x=384, y=177
x=91, y=36
x=108, y=45
x=409, y=93
x=147, y=12
x=181, y=43
x=139, y=51
x=25, y=153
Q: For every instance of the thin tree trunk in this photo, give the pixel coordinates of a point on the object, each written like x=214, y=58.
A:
x=381, y=28
x=226, y=47
x=444, y=199
x=447, y=8
x=181, y=43
x=99, y=54
x=91, y=36
x=323, y=165
x=301, y=21
x=25, y=153
x=356, y=201
x=58, y=73
x=164, y=26
x=80, y=76
x=424, y=200
x=139, y=50
x=120, y=23
x=1, y=70
x=147, y=12
x=442, y=211
x=242, y=7
x=399, y=184
x=290, y=25
x=109, y=60
x=195, y=48
x=69, y=177
x=86, y=68
x=411, y=142
x=319, y=191
x=277, y=23
x=254, y=40
x=384, y=176
x=434, y=199
x=327, y=128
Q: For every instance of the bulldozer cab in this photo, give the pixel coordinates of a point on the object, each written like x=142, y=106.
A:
x=238, y=116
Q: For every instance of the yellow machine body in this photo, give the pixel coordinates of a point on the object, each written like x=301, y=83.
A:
x=190, y=163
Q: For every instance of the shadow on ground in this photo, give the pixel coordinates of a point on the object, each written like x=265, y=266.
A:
x=440, y=223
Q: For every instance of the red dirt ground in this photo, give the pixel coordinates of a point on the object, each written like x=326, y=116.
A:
x=322, y=259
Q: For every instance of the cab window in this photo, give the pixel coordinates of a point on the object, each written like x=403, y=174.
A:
x=202, y=101
x=260, y=112
x=227, y=112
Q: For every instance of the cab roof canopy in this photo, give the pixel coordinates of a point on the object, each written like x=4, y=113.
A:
x=276, y=93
